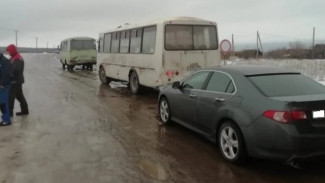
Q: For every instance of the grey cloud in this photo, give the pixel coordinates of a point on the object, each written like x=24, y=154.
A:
x=54, y=20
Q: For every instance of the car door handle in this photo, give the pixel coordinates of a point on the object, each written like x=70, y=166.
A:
x=192, y=96
x=219, y=99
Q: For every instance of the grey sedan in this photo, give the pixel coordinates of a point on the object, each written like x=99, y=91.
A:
x=255, y=111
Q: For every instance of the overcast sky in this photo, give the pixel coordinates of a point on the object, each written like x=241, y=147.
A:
x=54, y=20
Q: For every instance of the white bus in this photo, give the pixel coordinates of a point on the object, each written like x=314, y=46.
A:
x=78, y=51
x=157, y=53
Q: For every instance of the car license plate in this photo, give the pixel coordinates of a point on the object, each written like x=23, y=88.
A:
x=318, y=114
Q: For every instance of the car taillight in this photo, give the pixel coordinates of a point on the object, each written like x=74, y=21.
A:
x=285, y=116
x=299, y=115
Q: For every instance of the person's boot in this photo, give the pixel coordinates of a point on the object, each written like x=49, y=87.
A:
x=22, y=113
x=5, y=123
x=24, y=109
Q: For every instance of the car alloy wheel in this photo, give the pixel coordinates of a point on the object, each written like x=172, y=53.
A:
x=164, y=111
x=231, y=143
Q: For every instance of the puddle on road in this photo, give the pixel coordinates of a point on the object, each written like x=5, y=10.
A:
x=153, y=169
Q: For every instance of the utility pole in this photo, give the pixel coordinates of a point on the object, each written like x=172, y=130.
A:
x=261, y=46
x=313, y=46
x=233, y=45
x=257, y=46
x=36, y=41
x=16, y=32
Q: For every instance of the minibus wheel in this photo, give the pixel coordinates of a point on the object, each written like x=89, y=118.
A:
x=70, y=67
x=134, y=83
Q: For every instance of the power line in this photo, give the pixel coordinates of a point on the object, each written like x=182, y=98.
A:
x=281, y=36
x=244, y=36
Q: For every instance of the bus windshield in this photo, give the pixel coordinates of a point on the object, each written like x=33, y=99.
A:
x=191, y=37
x=83, y=45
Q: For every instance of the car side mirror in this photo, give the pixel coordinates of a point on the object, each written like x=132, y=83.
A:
x=176, y=85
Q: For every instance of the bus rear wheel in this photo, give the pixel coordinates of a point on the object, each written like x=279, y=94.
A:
x=134, y=83
x=102, y=76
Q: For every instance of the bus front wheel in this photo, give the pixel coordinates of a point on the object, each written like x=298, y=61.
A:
x=134, y=83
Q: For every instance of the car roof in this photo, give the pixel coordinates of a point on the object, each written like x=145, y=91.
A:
x=251, y=70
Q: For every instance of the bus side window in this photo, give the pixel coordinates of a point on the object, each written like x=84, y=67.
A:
x=106, y=44
x=125, y=41
x=136, y=36
x=115, y=42
x=149, y=39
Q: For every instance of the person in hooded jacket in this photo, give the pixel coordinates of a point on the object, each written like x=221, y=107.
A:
x=17, y=80
x=4, y=90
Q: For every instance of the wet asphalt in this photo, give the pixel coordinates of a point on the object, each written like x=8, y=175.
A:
x=81, y=131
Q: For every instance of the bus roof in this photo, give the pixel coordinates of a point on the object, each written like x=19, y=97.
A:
x=79, y=38
x=172, y=20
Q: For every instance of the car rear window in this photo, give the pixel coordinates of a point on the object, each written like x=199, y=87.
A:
x=286, y=85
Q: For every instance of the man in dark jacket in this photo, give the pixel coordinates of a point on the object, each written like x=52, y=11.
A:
x=4, y=90
x=17, y=80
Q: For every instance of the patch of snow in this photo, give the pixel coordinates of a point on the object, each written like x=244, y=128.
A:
x=116, y=84
x=312, y=68
x=322, y=82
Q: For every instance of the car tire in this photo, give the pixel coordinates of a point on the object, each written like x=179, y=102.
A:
x=134, y=83
x=102, y=76
x=164, y=111
x=231, y=143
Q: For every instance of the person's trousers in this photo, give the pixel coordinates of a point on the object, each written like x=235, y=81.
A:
x=4, y=103
x=16, y=92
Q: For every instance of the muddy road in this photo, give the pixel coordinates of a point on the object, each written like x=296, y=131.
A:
x=81, y=131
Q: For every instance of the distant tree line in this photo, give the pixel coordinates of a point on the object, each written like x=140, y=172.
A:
x=296, y=50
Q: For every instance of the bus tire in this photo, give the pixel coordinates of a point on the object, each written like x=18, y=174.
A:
x=134, y=83
x=70, y=67
x=102, y=76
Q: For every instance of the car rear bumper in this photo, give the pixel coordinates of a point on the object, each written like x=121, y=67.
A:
x=295, y=148
x=285, y=142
